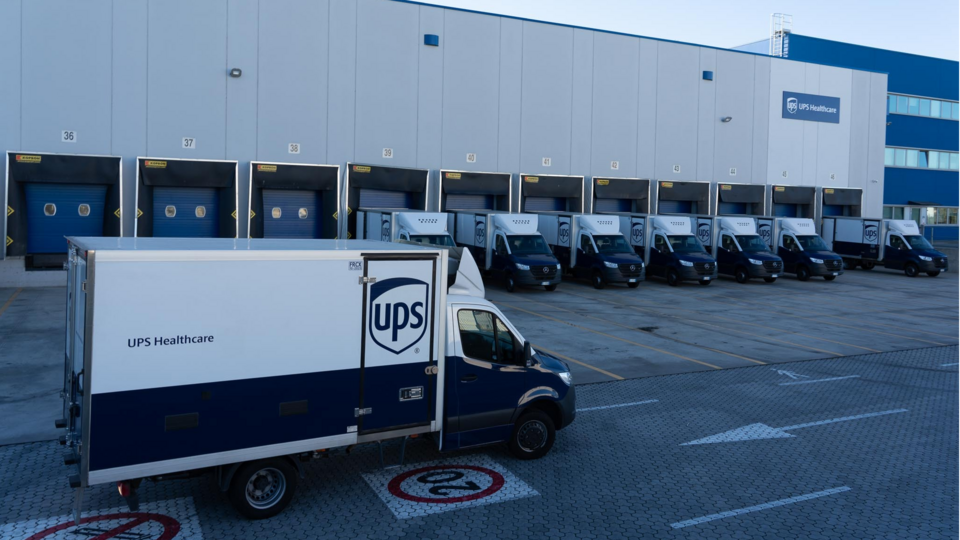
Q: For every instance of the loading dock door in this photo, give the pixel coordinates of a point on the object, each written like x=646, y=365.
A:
x=611, y=205
x=58, y=210
x=186, y=212
x=731, y=208
x=291, y=213
x=675, y=207
x=833, y=210
x=785, y=210
x=377, y=198
x=469, y=202
x=543, y=204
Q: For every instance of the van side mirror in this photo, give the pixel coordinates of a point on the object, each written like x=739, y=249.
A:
x=527, y=354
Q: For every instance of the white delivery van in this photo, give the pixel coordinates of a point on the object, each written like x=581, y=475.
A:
x=669, y=247
x=410, y=226
x=894, y=243
x=591, y=246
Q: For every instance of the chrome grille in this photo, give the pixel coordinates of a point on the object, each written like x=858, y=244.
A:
x=772, y=266
x=631, y=270
x=705, y=268
x=833, y=264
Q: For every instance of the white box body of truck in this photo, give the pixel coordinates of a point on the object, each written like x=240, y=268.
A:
x=479, y=230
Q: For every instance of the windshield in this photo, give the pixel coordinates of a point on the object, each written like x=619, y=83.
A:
x=528, y=244
x=434, y=239
x=812, y=243
x=612, y=243
x=918, y=242
x=686, y=244
x=752, y=243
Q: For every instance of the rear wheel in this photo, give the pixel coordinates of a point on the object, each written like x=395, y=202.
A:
x=551, y=287
x=911, y=270
x=633, y=285
x=705, y=282
x=867, y=265
x=533, y=435
x=673, y=279
x=829, y=278
x=803, y=273
x=597, y=280
x=769, y=279
x=262, y=489
x=741, y=275
x=850, y=264
x=510, y=283
x=933, y=273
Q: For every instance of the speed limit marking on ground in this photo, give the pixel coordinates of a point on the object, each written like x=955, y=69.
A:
x=441, y=486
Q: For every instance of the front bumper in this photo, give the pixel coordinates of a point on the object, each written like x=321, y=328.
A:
x=568, y=408
x=818, y=270
x=691, y=273
x=762, y=271
x=614, y=275
x=937, y=264
x=529, y=278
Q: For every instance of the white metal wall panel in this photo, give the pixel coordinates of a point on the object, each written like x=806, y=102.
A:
x=678, y=75
x=733, y=140
x=873, y=194
x=187, y=78
x=511, y=74
x=129, y=103
x=616, y=87
x=291, y=92
x=859, y=130
x=66, y=75
x=387, y=81
x=833, y=140
x=242, y=121
x=471, y=90
x=647, y=109
x=785, y=140
x=10, y=53
x=810, y=129
x=581, y=111
x=341, y=97
x=760, y=174
x=546, y=97
x=707, y=120
x=430, y=91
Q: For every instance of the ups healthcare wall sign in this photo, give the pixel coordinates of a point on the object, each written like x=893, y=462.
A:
x=810, y=107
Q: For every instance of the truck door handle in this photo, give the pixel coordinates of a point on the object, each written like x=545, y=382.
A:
x=468, y=378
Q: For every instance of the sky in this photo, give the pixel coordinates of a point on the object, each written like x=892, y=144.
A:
x=928, y=27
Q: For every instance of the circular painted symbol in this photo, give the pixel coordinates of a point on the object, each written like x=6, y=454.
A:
x=446, y=484
x=123, y=525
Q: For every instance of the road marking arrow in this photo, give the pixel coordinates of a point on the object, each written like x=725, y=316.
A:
x=790, y=374
x=763, y=431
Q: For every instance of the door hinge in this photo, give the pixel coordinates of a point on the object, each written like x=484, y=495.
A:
x=431, y=370
x=364, y=279
x=362, y=412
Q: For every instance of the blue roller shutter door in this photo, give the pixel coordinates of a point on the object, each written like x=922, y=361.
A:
x=834, y=210
x=611, y=205
x=543, y=204
x=58, y=210
x=785, y=210
x=378, y=198
x=732, y=208
x=186, y=212
x=469, y=202
x=291, y=213
x=675, y=207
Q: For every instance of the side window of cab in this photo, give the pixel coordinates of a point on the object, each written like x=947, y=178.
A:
x=483, y=336
x=728, y=244
x=501, y=246
x=789, y=243
x=585, y=245
x=660, y=243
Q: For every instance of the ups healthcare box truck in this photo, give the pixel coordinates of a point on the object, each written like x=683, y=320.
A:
x=669, y=247
x=591, y=246
x=410, y=226
x=894, y=243
x=803, y=252
x=245, y=357
x=740, y=250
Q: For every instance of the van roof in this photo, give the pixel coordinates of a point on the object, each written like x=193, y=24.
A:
x=107, y=243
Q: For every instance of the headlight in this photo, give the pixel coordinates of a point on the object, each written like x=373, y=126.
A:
x=567, y=378
x=609, y=264
x=686, y=263
x=816, y=261
x=523, y=266
x=558, y=266
x=922, y=258
x=754, y=261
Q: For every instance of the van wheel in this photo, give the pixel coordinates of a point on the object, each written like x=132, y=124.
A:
x=633, y=285
x=741, y=275
x=533, y=435
x=769, y=279
x=803, y=273
x=509, y=282
x=911, y=270
x=705, y=282
x=867, y=265
x=551, y=287
x=598, y=282
x=934, y=273
x=850, y=264
x=829, y=278
x=673, y=279
x=262, y=489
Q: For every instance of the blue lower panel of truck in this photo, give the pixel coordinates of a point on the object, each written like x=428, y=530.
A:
x=291, y=213
x=186, y=212
x=58, y=210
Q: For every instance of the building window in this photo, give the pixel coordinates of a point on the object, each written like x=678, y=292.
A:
x=941, y=215
x=936, y=215
x=921, y=159
x=918, y=106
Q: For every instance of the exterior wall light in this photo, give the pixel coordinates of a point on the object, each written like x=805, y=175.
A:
x=236, y=73
x=726, y=119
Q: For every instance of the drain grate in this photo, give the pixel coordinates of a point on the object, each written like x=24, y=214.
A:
x=648, y=328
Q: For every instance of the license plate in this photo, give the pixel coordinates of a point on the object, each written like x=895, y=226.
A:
x=707, y=278
x=836, y=274
x=632, y=280
x=545, y=283
x=774, y=275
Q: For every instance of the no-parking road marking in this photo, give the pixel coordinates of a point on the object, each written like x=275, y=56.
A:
x=440, y=486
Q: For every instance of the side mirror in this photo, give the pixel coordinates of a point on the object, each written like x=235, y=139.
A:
x=527, y=354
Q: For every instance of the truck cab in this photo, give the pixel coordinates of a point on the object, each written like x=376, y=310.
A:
x=676, y=253
x=906, y=249
x=803, y=252
x=742, y=253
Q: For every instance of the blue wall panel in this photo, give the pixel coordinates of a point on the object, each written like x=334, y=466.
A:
x=918, y=132
x=903, y=185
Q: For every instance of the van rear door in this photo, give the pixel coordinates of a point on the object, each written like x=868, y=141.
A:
x=399, y=347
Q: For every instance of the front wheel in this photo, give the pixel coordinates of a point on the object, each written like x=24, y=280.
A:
x=769, y=279
x=911, y=270
x=262, y=489
x=867, y=265
x=673, y=279
x=829, y=278
x=741, y=275
x=705, y=282
x=551, y=287
x=633, y=285
x=850, y=264
x=803, y=273
x=933, y=273
x=510, y=283
x=597, y=280
x=533, y=435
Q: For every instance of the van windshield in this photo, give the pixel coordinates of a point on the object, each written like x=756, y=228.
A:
x=612, y=243
x=918, y=242
x=752, y=243
x=812, y=243
x=686, y=244
x=528, y=244
x=433, y=239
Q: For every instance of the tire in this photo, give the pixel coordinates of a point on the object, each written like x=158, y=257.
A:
x=769, y=279
x=850, y=264
x=741, y=275
x=673, y=279
x=509, y=282
x=262, y=489
x=911, y=270
x=867, y=265
x=803, y=273
x=597, y=280
x=829, y=278
x=552, y=287
x=705, y=282
x=633, y=285
x=933, y=273
x=533, y=435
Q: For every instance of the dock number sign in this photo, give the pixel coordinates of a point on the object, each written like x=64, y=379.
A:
x=811, y=107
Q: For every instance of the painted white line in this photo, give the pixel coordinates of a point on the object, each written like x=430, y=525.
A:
x=820, y=380
x=844, y=419
x=754, y=432
x=953, y=364
x=618, y=406
x=757, y=508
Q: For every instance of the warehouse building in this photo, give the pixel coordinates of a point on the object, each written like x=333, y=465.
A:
x=921, y=158
x=380, y=92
